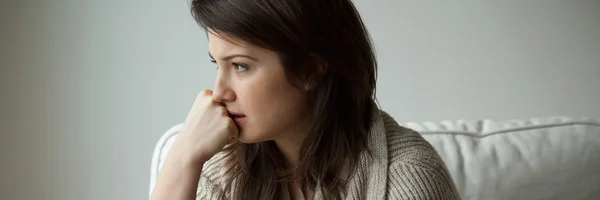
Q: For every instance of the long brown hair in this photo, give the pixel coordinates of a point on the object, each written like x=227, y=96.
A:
x=310, y=36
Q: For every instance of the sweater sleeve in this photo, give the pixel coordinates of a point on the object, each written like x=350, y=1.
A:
x=207, y=190
x=419, y=182
x=211, y=180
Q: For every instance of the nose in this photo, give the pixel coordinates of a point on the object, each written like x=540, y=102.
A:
x=223, y=91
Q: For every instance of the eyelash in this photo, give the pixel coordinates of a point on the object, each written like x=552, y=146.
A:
x=234, y=65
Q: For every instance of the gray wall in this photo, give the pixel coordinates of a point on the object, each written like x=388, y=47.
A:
x=88, y=86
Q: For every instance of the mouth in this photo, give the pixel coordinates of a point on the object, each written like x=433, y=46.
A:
x=238, y=118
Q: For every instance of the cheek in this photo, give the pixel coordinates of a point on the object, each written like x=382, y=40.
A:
x=258, y=92
x=266, y=88
x=282, y=103
x=272, y=98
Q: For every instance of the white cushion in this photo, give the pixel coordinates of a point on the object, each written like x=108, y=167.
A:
x=160, y=152
x=541, y=158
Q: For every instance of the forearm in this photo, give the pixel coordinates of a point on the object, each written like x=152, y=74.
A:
x=178, y=179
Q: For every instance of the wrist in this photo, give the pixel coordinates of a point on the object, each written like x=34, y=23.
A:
x=186, y=160
x=189, y=154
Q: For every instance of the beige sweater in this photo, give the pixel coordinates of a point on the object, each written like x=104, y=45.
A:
x=403, y=166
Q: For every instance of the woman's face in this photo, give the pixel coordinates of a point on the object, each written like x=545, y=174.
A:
x=252, y=85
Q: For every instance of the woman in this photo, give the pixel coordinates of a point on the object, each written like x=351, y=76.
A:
x=292, y=114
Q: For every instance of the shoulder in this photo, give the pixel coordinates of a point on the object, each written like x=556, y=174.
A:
x=406, y=145
x=415, y=169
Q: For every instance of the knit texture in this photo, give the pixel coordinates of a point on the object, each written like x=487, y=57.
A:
x=402, y=165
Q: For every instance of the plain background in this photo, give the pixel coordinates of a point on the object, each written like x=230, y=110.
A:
x=87, y=87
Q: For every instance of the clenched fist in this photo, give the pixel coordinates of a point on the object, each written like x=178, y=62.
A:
x=206, y=130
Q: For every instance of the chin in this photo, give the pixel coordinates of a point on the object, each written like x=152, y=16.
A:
x=251, y=137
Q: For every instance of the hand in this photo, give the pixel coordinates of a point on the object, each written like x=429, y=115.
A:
x=206, y=130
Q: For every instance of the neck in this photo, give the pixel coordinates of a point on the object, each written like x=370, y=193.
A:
x=290, y=150
x=290, y=143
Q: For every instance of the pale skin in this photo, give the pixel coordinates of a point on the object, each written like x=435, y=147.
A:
x=251, y=85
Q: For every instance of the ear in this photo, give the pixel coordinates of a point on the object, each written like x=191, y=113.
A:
x=318, y=67
x=310, y=84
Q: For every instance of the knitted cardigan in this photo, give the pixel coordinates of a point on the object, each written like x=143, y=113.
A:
x=402, y=165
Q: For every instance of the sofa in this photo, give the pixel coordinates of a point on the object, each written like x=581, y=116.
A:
x=537, y=158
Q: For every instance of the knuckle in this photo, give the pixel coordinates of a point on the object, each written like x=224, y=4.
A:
x=231, y=126
x=204, y=93
x=223, y=111
x=230, y=123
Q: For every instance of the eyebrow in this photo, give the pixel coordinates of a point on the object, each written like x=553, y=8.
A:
x=229, y=57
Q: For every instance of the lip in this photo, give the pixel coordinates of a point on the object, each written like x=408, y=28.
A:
x=234, y=113
x=238, y=118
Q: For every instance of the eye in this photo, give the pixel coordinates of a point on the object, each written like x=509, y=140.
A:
x=214, y=61
x=240, y=67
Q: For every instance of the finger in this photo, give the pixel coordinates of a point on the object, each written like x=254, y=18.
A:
x=223, y=112
x=234, y=130
x=231, y=140
x=206, y=92
x=203, y=97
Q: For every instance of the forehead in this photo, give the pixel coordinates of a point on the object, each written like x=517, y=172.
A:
x=220, y=43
